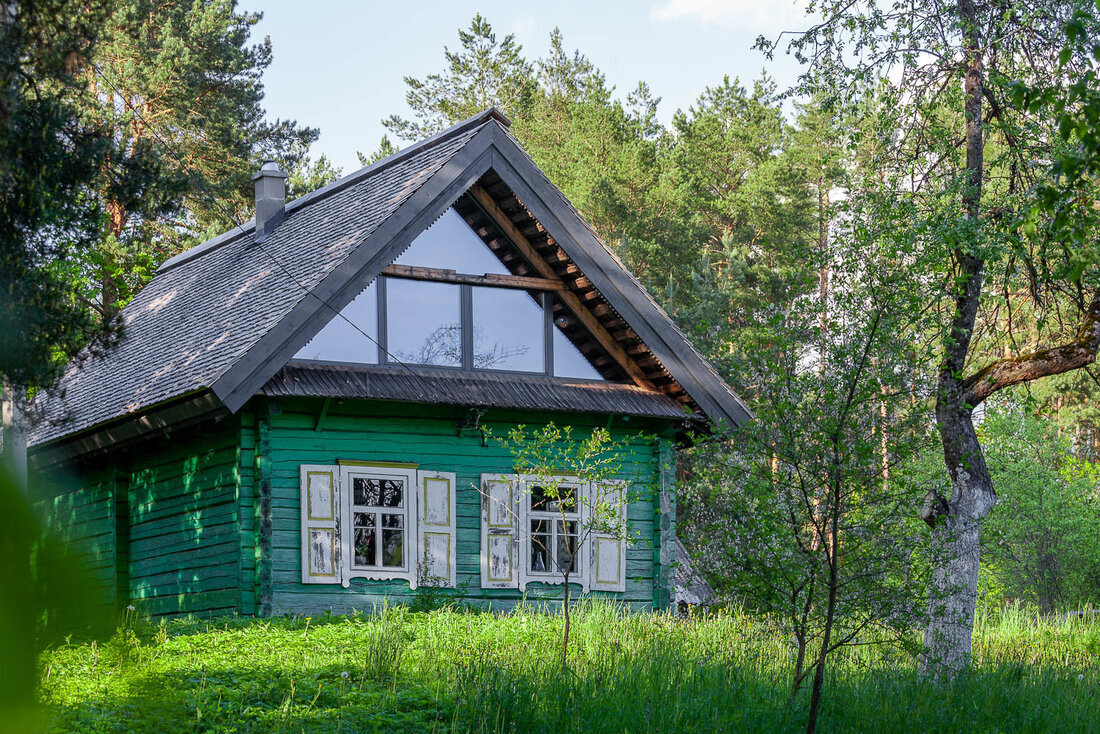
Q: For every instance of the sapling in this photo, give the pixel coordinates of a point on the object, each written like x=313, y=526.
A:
x=573, y=491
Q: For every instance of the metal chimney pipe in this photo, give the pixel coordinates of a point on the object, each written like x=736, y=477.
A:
x=270, y=198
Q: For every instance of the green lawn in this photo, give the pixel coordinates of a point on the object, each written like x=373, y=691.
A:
x=445, y=671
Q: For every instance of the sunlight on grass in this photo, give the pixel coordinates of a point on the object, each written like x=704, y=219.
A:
x=455, y=671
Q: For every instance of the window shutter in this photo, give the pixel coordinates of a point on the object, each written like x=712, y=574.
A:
x=500, y=507
x=320, y=524
x=436, y=528
x=607, y=565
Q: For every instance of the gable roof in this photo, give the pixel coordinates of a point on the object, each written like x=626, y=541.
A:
x=227, y=315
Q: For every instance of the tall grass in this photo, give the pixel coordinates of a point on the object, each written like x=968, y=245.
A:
x=453, y=671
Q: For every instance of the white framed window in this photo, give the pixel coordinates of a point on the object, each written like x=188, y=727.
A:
x=530, y=535
x=377, y=521
x=553, y=528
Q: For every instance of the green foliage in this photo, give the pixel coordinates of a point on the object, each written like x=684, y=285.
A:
x=310, y=175
x=560, y=467
x=47, y=595
x=555, y=460
x=483, y=73
x=460, y=672
x=178, y=87
x=48, y=158
x=1043, y=538
x=386, y=148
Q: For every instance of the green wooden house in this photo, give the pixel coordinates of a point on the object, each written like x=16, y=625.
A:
x=294, y=419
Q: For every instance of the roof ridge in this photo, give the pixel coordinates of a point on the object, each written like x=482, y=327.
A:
x=485, y=116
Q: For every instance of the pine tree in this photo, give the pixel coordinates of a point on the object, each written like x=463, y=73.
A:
x=483, y=73
x=178, y=86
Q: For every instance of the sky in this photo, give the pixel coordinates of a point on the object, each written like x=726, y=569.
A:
x=339, y=66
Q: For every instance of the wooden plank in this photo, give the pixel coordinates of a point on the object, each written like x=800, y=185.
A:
x=492, y=280
x=246, y=493
x=667, y=526
x=263, y=520
x=570, y=299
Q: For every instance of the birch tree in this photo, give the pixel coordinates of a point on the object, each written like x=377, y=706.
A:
x=968, y=155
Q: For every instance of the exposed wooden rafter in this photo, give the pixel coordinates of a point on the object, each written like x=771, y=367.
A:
x=569, y=299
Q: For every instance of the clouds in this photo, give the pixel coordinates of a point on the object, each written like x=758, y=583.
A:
x=754, y=15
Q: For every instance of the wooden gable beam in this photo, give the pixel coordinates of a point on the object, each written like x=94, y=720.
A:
x=570, y=299
x=492, y=280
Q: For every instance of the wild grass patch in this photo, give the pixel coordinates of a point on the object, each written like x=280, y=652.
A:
x=464, y=671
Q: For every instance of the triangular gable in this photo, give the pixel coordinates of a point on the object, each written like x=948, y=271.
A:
x=492, y=148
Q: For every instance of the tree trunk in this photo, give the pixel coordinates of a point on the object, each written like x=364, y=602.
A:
x=956, y=546
x=955, y=537
x=13, y=459
x=830, y=608
x=565, y=611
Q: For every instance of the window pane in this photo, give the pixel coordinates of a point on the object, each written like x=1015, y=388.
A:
x=508, y=330
x=339, y=341
x=561, y=499
x=566, y=551
x=366, y=544
x=450, y=244
x=538, y=498
x=540, y=545
x=568, y=360
x=423, y=322
x=393, y=491
x=393, y=541
x=366, y=492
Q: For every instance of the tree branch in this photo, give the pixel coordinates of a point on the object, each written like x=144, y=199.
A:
x=1079, y=352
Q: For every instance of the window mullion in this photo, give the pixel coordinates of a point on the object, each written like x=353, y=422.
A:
x=377, y=562
x=548, y=332
x=467, y=326
x=383, y=340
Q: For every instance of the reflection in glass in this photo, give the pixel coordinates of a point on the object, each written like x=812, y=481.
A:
x=508, y=330
x=540, y=545
x=451, y=245
x=339, y=341
x=423, y=322
x=393, y=541
x=564, y=497
x=567, y=547
x=568, y=360
x=374, y=492
x=366, y=491
x=366, y=541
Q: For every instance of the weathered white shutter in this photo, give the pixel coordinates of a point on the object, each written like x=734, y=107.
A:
x=436, y=528
x=500, y=519
x=607, y=559
x=320, y=490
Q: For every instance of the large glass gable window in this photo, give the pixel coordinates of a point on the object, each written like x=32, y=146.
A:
x=449, y=301
x=507, y=332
